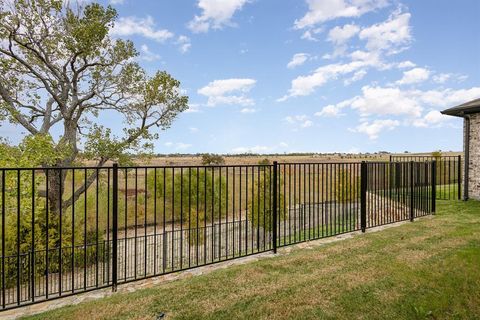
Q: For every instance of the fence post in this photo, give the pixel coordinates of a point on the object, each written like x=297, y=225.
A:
x=434, y=185
x=114, y=226
x=363, y=196
x=274, y=222
x=412, y=189
x=459, y=177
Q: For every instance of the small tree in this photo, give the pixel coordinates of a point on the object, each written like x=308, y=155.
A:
x=260, y=208
x=210, y=159
x=182, y=192
x=347, y=185
x=264, y=162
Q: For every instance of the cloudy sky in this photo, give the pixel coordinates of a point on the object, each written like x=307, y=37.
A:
x=310, y=75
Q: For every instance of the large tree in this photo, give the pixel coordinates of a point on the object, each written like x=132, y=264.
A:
x=60, y=70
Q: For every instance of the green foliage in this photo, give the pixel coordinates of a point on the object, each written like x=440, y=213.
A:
x=26, y=226
x=182, y=192
x=264, y=162
x=260, y=207
x=58, y=65
x=32, y=151
x=210, y=159
x=347, y=185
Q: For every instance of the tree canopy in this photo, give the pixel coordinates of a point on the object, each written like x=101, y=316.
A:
x=60, y=70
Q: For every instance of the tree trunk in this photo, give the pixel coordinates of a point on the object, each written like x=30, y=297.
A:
x=56, y=188
x=56, y=177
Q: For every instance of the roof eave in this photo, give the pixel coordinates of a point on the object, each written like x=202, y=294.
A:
x=456, y=112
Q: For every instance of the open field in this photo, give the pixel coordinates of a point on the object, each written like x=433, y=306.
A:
x=422, y=270
x=169, y=160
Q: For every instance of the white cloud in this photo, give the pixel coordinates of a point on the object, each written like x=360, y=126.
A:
x=444, y=77
x=329, y=111
x=306, y=85
x=248, y=110
x=148, y=55
x=320, y=11
x=357, y=76
x=340, y=35
x=215, y=14
x=373, y=129
x=386, y=101
x=411, y=103
x=440, y=99
x=297, y=60
x=432, y=119
x=311, y=33
x=183, y=43
x=116, y=1
x=301, y=121
x=406, y=64
x=391, y=36
x=415, y=75
x=383, y=101
x=129, y=26
x=226, y=92
x=193, y=129
x=385, y=38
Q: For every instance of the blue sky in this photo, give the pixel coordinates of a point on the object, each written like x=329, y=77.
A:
x=273, y=76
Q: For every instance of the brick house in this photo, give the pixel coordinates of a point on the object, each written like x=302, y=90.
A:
x=470, y=112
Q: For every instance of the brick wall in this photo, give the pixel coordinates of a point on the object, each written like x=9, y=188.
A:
x=474, y=163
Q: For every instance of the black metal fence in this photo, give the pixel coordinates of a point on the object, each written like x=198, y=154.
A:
x=71, y=230
x=449, y=173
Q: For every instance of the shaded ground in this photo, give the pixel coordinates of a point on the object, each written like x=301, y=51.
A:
x=428, y=269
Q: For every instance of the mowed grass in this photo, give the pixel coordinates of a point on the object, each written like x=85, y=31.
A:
x=429, y=269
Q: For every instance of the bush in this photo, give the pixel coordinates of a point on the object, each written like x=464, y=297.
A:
x=347, y=185
x=19, y=231
x=260, y=208
x=182, y=192
x=210, y=159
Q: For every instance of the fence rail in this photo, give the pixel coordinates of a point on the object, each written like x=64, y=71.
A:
x=71, y=230
x=449, y=173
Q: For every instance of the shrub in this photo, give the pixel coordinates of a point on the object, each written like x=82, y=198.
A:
x=182, y=191
x=210, y=159
x=260, y=208
x=347, y=187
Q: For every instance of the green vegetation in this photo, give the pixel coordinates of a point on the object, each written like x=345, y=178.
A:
x=210, y=159
x=347, y=185
x=260, y=208
x=264, y=162
x=65, y=79
x=422, y=270
x=180, y=193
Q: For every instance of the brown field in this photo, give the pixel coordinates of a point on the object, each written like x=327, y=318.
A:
x=186, y=160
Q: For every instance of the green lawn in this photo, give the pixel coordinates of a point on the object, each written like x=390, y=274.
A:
x=429, y=269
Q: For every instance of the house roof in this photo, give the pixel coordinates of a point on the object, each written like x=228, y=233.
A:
x=463, y=109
